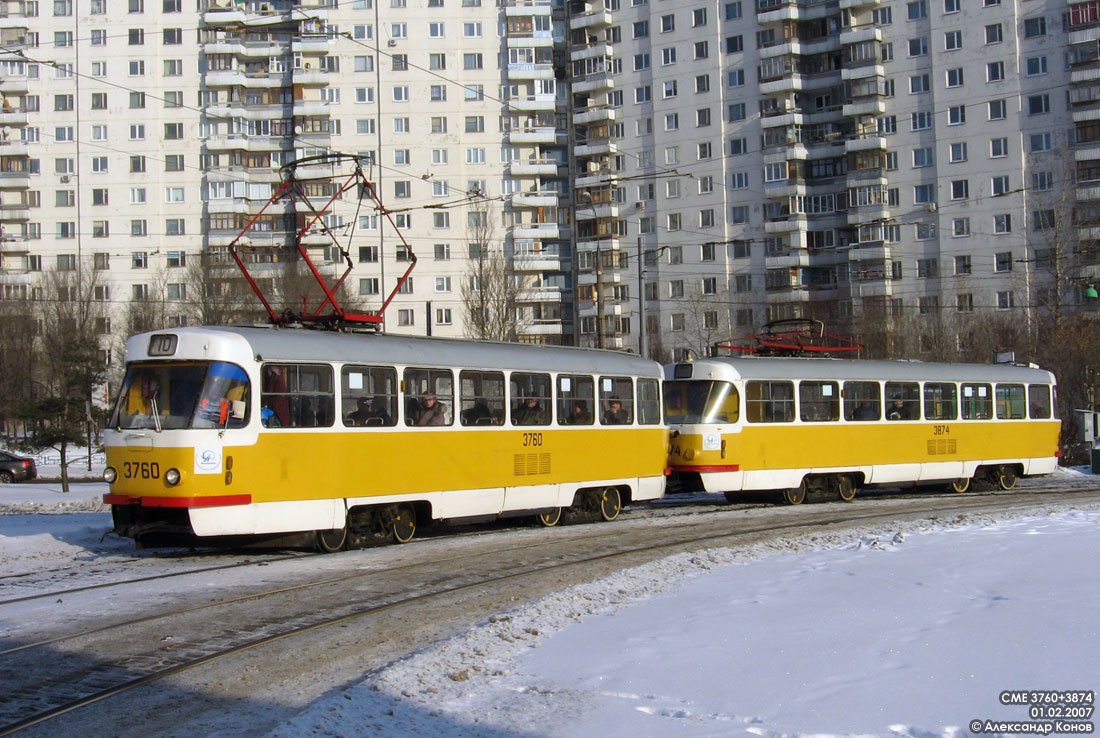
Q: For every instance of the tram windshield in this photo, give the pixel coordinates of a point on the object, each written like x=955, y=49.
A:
x=688, y=402
x=171, y=396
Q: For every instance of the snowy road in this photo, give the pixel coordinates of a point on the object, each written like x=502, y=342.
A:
x=257, y=692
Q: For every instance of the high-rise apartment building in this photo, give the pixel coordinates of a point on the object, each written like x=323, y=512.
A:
x=654, y=174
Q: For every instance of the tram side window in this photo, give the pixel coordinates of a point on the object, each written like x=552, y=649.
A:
x=530, y=397
x=481, y=395
x=576, y=398
x=940, y=401
x=1038, y=400
x=977, y=402
x=429, y=397
x=769, y=402
x=1010, y=402
x=818, y=401
x=649, y=402
x=616, y=401
x=368, y=395
x=298, y=396
x=862, y=401
x=902, y=401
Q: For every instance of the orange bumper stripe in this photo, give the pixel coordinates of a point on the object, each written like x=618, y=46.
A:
x=219, y=501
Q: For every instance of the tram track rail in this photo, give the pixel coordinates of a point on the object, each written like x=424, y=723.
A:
x=95, y=673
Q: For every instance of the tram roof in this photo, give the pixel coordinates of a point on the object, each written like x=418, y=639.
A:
x=300, y=344
x=868, y=369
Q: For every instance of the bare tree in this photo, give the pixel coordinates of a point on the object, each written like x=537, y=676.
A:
x=490, y=288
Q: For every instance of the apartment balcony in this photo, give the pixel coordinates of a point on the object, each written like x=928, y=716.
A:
x=224, y=78
x=304, y=76
x=858, y=35
x=876, y=284
x=237, y=205
x=12, y=118
x=786, y=116
x=244, y=143
x=551, y=231
x=594, y=82
x=539, y=295
x=784, y=189
x=1087, y=152
x=595, y=179
x=875, y=251
x=792, y=83
x=540, y=328
x=597, y=210
x=13, y=148
x=595, y=19
x=785, y=294
x=530, y=71
x=15, y=180
x=1085, y=74
x=596, y=148
x=794, y=258
x=533, y=39
x=312, y=45
x=787, y=11
x=14, y=244
x=520, y=8
x=533, y=103
x=787, y=48
x=594, y=114
x=595, y=50
x=865, y=214
x=787, y=225
x=536, y=263
x=535, y=200
x=313, y=108
x=535, y=168
x=846, y=4
x=545, y=135
x=1083, y=36
x=862, y=72
x=867, y=143
x=864, y=107
x=11, y=84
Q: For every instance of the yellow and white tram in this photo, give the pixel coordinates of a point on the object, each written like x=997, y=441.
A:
x=358, y=437
x=799, y=424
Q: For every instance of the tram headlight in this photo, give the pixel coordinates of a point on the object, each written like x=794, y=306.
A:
x=110, y=474
x=172, y=477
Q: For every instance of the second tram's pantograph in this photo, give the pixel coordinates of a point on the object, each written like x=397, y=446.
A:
x=800, y=425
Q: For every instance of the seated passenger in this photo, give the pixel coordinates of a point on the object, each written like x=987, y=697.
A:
x=529, y=412
x=864, y=411
x=615, y=415
x=580, y=414
x=478, y=414
x=431, y=412
x=370, y=412
x=897, y=411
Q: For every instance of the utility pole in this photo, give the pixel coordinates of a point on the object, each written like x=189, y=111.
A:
x=641, y=302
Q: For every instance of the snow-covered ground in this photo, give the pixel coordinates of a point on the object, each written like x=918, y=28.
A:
x=908, y=630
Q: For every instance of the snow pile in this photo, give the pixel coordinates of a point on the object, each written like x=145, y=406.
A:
x=691, y=645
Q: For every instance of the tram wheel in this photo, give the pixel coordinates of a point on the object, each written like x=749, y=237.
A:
x=1006, y=477
x=610, y=504
x=549, y=519
x=402, y=522
x=960, y=485
x=331, y=541
x=845, y=488
x=795, y=495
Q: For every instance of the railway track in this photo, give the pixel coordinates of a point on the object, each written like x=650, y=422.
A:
x=50, y=678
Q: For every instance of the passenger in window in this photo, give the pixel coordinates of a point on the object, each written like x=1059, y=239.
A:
x=864, y=411
x=580, y=414
x=529, y=412
x=370, y=411
x=479, y=414
x=431, y=412
x=269, y=418
x=615, y=415
x=897, y=410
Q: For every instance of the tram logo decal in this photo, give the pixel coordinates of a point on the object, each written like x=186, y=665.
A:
x=208, y=461
x=712, y=441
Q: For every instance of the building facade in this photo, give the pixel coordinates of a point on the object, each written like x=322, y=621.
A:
x=654, y=176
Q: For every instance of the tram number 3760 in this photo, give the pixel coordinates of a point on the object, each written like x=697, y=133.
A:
x=532, y=439
x=141, y=470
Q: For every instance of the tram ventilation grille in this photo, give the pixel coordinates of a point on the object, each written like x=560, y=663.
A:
x=941, y=446
x=526, y=465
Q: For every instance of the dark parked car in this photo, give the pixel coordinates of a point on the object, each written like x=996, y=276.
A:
x=16, y=468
